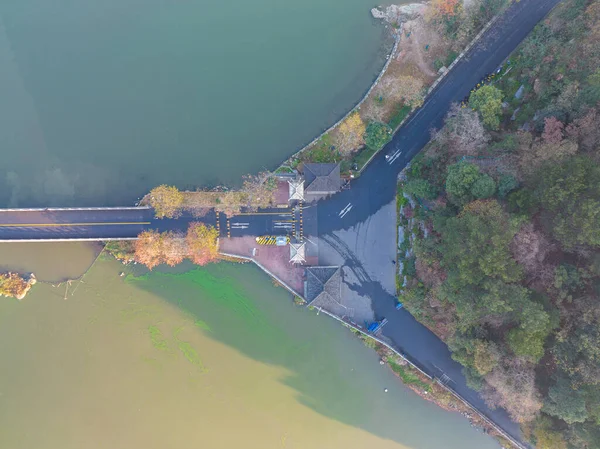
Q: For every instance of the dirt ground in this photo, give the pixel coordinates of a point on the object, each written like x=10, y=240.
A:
x=411, y=59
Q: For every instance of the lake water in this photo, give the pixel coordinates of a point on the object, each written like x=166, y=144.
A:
x=101, y=100
x=104, y=99
x=205, y=358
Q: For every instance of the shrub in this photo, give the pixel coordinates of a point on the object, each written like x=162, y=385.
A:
x=377, y=135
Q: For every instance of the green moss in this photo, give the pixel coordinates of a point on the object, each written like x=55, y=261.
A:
x=157, y=338
x=408, y=376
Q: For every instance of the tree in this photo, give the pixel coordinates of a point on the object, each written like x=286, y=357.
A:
x=506, y=184
x=377, y=135
x=476, y=245
x=460, y=180
x=14, y=285
x=571, y=191
x=487, y=100
x=463, y=132
x=351, y=133
x=445, y=8
x=553, y=130
x=148, y=248
x=529, y=248
x=511, y=385
x=202, y=243
x=258, y=191
x=484, y=187
x=421, y=188
x=166, y=201
x=174, y=248
x=566, y=403
x=529, y=345
x=545, y=436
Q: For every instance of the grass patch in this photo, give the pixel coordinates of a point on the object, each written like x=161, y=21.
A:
x=284, y=169
x=321, y=152
x=361, y=158
x=408, y=376
x=400, y=113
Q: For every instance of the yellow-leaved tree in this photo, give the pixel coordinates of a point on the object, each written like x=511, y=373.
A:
x=202, y=243
x=351, y=132
x=166, y=200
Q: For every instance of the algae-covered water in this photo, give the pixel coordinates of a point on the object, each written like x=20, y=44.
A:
x=205, y=358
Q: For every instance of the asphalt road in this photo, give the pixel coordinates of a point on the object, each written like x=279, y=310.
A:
x=73, y=224
x=376, y=187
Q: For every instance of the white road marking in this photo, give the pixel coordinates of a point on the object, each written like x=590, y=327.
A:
x=393, y=157
x=342, y=212
x=347, y=210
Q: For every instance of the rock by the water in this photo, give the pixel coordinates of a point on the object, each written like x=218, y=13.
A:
x=397, y=14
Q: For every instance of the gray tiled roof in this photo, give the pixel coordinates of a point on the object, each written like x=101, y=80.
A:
x=322, y=282
x=322, y=178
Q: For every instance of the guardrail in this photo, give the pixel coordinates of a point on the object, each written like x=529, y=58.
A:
x=54, y=209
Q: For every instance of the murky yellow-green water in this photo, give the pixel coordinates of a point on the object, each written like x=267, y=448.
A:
x=211, y=358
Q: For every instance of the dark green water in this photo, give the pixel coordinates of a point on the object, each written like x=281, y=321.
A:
x=101, y=100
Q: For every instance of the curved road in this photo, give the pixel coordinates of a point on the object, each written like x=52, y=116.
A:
x=376, y=187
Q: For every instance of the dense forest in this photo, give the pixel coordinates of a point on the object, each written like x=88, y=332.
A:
x=503, y=213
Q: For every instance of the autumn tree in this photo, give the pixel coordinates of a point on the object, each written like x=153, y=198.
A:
x=351, y=133
x=487, y=100
x=174, y=248
x=148, y=248
x=258, y=191
x=444, y=8
x=553, y=130
x=511, y=385
x=166, y=201
x=463, y=132
x=202, y=243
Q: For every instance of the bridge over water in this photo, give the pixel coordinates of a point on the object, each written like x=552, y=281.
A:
x=126, y=223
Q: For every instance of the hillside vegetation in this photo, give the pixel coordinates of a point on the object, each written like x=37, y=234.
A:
x=503, y=219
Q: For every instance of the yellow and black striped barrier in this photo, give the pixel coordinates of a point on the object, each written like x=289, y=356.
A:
x=272, y=240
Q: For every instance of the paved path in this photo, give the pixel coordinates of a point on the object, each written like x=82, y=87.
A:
x=377, y=186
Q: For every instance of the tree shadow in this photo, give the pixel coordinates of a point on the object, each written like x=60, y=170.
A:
x=331, y=371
